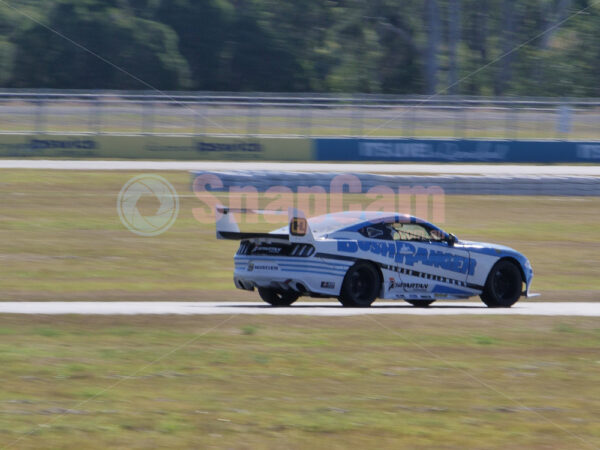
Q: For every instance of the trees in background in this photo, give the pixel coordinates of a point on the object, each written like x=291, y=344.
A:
x=390, y=46
x=77, y=39
x=433, y=41
x=454, y=32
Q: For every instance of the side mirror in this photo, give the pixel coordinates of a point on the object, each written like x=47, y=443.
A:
x=451, y=240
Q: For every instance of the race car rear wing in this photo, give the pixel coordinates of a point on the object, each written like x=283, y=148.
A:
x=227, y=227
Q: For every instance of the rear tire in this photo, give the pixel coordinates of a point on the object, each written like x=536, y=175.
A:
x=278, y=298
x=361, y=285
x=420, y=303
x=503, y=286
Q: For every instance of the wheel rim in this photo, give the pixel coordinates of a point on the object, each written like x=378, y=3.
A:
x=504, y=284
x=361, y=284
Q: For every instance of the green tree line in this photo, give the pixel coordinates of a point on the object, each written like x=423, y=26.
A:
x=366, y=46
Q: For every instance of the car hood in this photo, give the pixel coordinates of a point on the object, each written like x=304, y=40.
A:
x=481, y=247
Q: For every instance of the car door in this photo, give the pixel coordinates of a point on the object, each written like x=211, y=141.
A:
x=428, y=265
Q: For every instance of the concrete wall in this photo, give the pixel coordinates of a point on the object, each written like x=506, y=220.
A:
x=450, y=184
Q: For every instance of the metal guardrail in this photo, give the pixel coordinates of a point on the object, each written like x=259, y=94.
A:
x=296, y=115
x=262, y=180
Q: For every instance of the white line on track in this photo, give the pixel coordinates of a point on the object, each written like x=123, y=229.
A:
x=298, y=309
x=462, y=169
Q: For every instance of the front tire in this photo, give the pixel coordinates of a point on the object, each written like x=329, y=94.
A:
x=278, y=298
x=503, y=286
x=420, y=303
x=361, y=285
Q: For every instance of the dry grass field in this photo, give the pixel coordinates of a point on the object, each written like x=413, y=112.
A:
x=296, y=382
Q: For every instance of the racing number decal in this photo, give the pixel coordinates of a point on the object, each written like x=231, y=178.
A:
x=298, y=226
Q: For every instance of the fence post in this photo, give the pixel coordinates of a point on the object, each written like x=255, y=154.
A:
x=307, y=120
x=464, y=114
x=357, y=118
x=459, y=119
x=198, y=117
x=413, y=119
x=95, y=116
x=253, y=121
x=509, y=130
x=563, y=120
x=405, y=115
x=39, y=116
x=147, y=117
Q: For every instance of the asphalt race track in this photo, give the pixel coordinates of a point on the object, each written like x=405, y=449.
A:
x=462, y=169
x=298, y=309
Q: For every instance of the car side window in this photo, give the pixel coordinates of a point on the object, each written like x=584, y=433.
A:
x=414, y=232
x=401, y=231
x=377, y=231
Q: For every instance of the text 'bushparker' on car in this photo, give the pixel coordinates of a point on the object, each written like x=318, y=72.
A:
x=359, y=256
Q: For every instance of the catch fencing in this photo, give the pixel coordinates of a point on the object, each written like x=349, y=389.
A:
x=296, y=115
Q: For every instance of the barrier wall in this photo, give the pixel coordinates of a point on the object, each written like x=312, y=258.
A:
x=456, y=150
x=295, y=149
x=363, y=182
x=155, y=147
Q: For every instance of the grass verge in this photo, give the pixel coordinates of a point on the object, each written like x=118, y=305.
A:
x=293, y=382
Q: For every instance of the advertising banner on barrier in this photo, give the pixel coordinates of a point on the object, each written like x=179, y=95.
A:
x=296, y=149
x=456, y=150
x=155, y=147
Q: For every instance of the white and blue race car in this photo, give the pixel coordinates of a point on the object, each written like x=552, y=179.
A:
x=359, y=256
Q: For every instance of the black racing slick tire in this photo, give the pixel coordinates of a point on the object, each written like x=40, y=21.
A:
x=361, y=285
x=278, y=298
x=420, y=303
x=503, y=286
